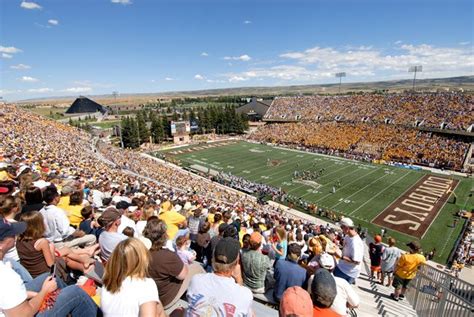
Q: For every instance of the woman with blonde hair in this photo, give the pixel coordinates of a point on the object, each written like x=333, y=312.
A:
x=127, y=290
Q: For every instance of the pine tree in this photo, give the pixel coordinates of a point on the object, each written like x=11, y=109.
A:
x=134, y=134
x=244, y=122
x=157, y=131
x=166, y=126
x=142, y=131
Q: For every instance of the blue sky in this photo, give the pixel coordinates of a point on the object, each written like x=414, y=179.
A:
x=72, y=47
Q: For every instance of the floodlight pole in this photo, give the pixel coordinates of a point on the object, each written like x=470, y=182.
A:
x=415, y=69
x=340, y=75
x=414, y=79
x=115, y=94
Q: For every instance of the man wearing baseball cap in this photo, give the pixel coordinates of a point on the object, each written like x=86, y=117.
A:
x=288, y=272
x=296, y=302
x=406, y=269
x=375, y=252
x=346, y=296
x=211, y=293
x=323, y=293
x=14, y=300
x=349, y=266
x=110, y=220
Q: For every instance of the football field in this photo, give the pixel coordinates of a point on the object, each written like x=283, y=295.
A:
x=410, y=204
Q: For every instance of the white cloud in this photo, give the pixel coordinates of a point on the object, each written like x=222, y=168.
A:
x=204, y=54
x=5, y=55
x=30, y=5
x=20, y=66
x=282, y=72
x=199, y=77
x=214, y=81
x=464, y=43
x=53, y=22
x=233, y=79
x=78, y=89
x=9, y=49
x=363, y=63
x=4, y=92
x=368, y=61
x=244, y=58
x=247, y=22
x=169, y=78
x=40, y=90
x=124, y=2
x=28, y=79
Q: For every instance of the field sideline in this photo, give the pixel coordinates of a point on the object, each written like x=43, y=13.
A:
x=365, y=189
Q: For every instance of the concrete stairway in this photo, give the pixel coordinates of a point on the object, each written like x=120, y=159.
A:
x=375, y=298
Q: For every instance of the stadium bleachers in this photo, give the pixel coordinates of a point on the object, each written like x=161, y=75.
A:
x=39, y=153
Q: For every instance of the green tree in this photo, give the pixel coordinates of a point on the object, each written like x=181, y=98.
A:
x=157, y=130
x=130, y=133
x=244, y=122
x=166, y=126
x=142, y=131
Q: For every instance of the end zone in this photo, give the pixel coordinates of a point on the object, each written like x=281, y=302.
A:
x=413, y=212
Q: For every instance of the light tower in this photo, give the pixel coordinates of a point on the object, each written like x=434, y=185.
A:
x=415, y=69
x=340, y=75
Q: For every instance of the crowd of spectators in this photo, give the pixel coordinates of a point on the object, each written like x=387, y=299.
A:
x=367, y=141
x=454, y=109
x=247, y=186
x=464, y=254
x=85, y=231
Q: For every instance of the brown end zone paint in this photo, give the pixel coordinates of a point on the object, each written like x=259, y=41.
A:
x=414, y=211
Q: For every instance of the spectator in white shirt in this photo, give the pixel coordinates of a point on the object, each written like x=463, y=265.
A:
x=127, y=291
x=124, y=207
x=58, y=228
x=110, y=238
x=349, y=265
x=221, y=291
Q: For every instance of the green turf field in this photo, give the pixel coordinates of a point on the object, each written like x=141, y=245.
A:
x=365, y=189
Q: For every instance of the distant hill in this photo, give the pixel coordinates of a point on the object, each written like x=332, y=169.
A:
x=463, y=82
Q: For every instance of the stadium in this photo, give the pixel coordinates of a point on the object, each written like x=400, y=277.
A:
x=250, y=184
x=340, y=178
x=280, y=171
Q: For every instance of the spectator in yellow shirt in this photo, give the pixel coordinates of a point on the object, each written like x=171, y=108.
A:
x=172, y=219
x=74, y=208
x=64, y=200
x=406, y=269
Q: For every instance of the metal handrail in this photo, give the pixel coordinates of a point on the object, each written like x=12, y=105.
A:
x=437, y=293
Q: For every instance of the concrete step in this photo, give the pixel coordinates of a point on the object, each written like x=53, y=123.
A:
x=375, y=298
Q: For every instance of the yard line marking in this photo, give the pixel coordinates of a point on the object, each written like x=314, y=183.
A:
x=337, y=170
x=447, y=240
x=292, y=166
x=329, y=184
x=380, y=192
x=362, y=189
x=323, y=163
x=226, y=158
x=364, y=175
